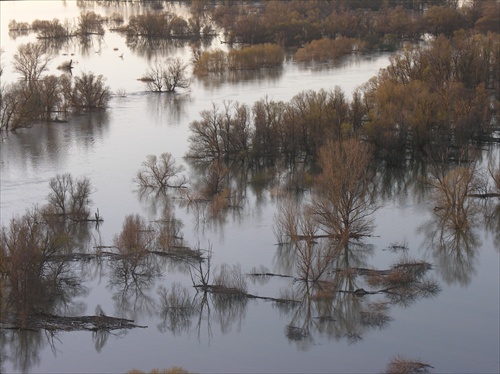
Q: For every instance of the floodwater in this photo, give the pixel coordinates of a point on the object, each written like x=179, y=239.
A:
x=456, y=330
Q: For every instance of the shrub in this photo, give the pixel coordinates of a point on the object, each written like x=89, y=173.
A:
x=248, y=58
x=328, y=49
x=90, y=92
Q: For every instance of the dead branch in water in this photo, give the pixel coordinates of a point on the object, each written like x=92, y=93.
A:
x=43, y=321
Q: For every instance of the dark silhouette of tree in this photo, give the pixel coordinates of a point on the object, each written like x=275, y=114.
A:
x=90, y=92
x=167, y=76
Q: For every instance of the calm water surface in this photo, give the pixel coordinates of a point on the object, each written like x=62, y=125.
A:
x=456, y=331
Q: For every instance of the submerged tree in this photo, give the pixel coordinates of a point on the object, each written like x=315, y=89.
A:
x=159, y=173
x=90, y=92
x=70, y=197
x=31, y=60
x=341, y=203
x=33, y=265
x=167, y=76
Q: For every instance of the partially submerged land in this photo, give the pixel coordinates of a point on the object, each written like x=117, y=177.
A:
x=323, y=156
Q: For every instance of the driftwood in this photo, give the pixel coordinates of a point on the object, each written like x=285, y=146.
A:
x=44, y=321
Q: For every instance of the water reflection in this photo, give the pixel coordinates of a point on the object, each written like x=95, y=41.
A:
x=213, y=81
x=24, y=347
x=492, y=219
x=150, y=48
x=50, y=143
x=454, y=250
x=335, y=308
x=218, y=192
x=167, y=107
x=131, y=282
x=180, y=311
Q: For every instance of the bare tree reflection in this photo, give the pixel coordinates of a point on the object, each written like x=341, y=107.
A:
x=177, y=308
x=148, y=48
x=24, y=347
x=337, y=306
x=132, y=283
x=168, y=109
x=219, y=191
x=455, y=250
x=492, y=219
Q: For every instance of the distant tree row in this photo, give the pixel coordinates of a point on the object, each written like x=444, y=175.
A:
x=37, y=97
x=89, y=23
x=378, y=23
x=167, y=25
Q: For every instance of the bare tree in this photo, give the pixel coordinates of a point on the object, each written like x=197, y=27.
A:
x=8, y=107
x=404, y=365
x=50, y=96
x=31, y=60
x=341, y=203
x=452, y=191
x=494, y=172
x=214, y=179
x=70, y=197
x=159, y=172
x=314, y=253
x=90, y=23
x=30, y=245
x=167, y=76
x=206, y=135
x=137, y=237
x=90, y=92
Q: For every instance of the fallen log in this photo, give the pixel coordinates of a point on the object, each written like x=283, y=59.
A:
x=45, y=321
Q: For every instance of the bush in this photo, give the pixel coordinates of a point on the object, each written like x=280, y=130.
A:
x=90, y=92
x=248, y=58
x=167, y=76
x=328, y=49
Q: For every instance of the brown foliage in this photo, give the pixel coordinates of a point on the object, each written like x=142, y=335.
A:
x=328, y=49
x=137, y=237
x=90, y=23
x=90, y=92
x=247, y=58
x=433, y=97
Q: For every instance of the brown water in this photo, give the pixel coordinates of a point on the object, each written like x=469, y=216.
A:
x=456, y=331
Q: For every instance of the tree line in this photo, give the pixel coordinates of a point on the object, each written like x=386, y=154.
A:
x=380, y=24
x=429, y=99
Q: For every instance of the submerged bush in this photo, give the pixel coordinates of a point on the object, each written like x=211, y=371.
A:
x=328, y=49
x=248, y=58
